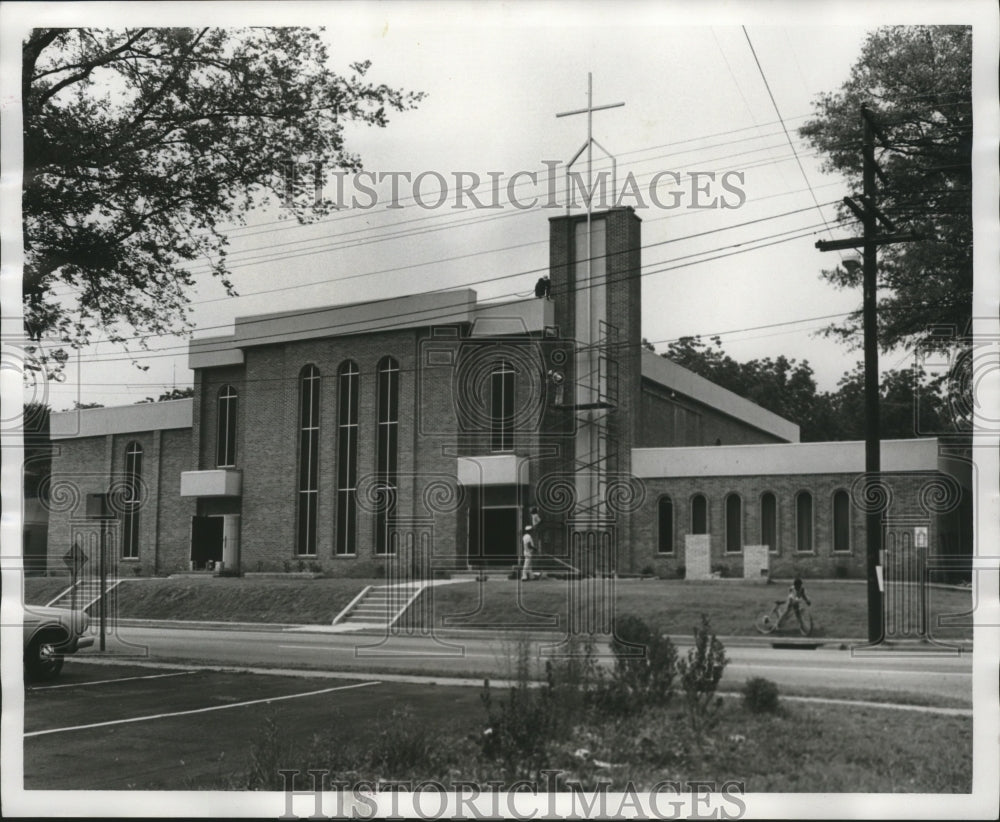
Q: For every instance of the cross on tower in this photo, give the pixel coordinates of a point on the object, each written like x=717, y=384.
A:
x=589, y=306
x=589, y=145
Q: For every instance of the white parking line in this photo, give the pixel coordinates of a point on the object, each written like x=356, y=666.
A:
x=199, y=710
x=106, y=681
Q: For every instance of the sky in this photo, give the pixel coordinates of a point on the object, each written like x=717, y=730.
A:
x=495, y=76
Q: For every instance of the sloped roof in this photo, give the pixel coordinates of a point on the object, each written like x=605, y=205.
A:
x=674, y=377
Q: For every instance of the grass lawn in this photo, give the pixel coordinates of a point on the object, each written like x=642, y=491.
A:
x=300, y=601
x=42, y=590
x=671, y=606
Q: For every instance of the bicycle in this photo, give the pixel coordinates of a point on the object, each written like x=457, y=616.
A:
x=770, y=621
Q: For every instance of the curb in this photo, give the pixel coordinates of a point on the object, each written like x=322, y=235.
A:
x=513, y=631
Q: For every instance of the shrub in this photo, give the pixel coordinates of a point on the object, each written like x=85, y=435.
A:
x=644, y=672
x=648, y=571
x=760, y=696
x=681, y=571
x=700, y=673
x=841, y=571
x=719, y=568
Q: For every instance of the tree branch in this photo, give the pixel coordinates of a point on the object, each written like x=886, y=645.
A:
x=88, y=68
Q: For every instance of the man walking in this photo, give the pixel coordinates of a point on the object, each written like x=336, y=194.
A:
x=527, y=550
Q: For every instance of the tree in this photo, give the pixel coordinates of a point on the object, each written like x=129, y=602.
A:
x=917, y=80
x=912, y=402
x=139, y=143
x=172, y=394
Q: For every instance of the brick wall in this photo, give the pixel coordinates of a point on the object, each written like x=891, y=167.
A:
x=174, y=512
x=624, y=300
x=907, y=492
x=270, y=455
x=90, y=465
x=79, y=467
x=667, y=421
x=212, y=380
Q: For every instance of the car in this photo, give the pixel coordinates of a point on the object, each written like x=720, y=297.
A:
x=50, y=634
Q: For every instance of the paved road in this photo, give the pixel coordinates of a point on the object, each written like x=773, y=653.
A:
x=477, y=656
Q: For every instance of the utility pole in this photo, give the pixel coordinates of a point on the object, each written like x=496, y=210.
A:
x=870, y=217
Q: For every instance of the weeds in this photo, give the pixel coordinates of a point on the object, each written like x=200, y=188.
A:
x=700, y=673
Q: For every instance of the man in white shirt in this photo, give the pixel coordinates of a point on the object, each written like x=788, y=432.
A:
x=527, y=549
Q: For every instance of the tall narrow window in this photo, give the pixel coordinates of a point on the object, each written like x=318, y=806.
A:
x=769, y=520
x=804, y=521
x=225, y=441
x=387, y=449
x=734, y=524
x=502, y=407
x=309, y=382
x=132, y=501
x=665, y=516
x=699, y=514
x=841, y=521
x=347, y=459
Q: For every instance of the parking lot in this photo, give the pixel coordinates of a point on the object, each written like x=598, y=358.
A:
x=132, y=727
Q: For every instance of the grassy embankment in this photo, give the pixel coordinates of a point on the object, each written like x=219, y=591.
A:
x=839, y=608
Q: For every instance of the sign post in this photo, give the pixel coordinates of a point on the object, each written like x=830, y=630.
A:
x=99, y=508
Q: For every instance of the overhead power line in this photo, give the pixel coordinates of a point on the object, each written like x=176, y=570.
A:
x=440, y=313
x=777, y=111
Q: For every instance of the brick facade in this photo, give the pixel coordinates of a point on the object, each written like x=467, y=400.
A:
x=912, y=504
x=443, y=402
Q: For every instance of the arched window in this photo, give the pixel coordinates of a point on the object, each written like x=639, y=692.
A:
x=347, y=458
x=502, y=407
x=734, y=524
x=132, y=501
x=309, y=382
x=665, y=521
x=803, y=521
x=769, y=520
x=387, y=449
x=699, y=514
x=841, y=521
x=225, y=439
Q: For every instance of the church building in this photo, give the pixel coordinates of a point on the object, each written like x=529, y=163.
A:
x=332, y=438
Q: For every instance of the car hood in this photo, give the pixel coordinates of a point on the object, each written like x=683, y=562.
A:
x=67, y=617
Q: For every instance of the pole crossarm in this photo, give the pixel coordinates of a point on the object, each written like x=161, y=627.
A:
x=589, y=109
x=858, y=242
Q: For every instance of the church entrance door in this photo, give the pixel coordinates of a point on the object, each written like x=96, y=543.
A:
x=500, y=536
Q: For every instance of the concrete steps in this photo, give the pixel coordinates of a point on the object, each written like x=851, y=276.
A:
x=379, y=605
x=83, y=594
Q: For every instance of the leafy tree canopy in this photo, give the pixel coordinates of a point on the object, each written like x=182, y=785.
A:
x=917, y=80
x=172, y=394
x=140, y=142
x=912, y=403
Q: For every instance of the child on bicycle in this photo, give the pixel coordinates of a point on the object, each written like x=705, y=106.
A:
x=796, y=594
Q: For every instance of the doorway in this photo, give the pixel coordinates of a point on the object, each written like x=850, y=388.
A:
x=500, y=536
x=206, y=542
